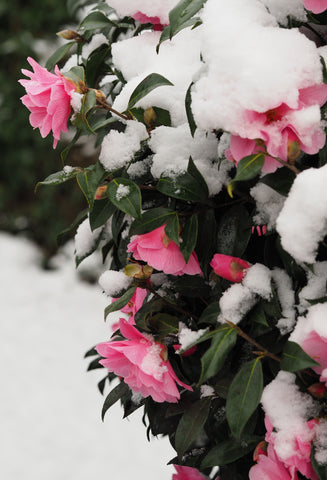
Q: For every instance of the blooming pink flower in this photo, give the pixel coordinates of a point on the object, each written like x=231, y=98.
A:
x=269, y=467
x=142, y=363
x=231, y=268
x=134, y=304
x=315, y=6
x=187, y=473
x=156, y=22
x=281, y=131
x=48, y=99
x=315, y=345
x=162, y=253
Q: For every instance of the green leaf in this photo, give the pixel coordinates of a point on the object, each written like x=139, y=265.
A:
x=163, y=324
x=190, y=425
x=126, y=196
x=92, y=248
x=247, y=169
x=59, y=177
x=97, y=20
x=101, y=212
x=189, y=236
x=244, y=396
x=188, y=108
x=120, y=303
x=152, y=81
x=191, y=286
x=196, y=174
x=76, y=74
x=180, y=16
x=229, y=451
x=294, y=358
x=210, y=314
x=79, y=218
x=214, y=358
x=89, y=180
x=281, y=180
x=324, y=69
x=119, y=391
x=80, y=120
x=320, y=469
x=172, y=229
x=60, y=53
x=151, y=220
x=74, y=5
x=234, y=231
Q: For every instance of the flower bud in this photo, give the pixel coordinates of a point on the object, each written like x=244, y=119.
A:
x=135, y=270
x=150, y=117
x=318, y=390
x=260, y=449
x=231, y=268
x=69, y=35
x=101, y=192
x=293, y=150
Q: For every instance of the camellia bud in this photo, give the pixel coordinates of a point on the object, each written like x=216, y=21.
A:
x=150, y=117
x=293, y=150
x=260, y=449
x=135, y=270
x=318, y=390
x=101, y=192
x=69, y=35
x=231, y=268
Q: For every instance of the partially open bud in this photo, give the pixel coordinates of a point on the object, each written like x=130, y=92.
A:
x=69, y=35
x=293, y=150
x=101, y=192
x=135, y=270
x=231, y=268
x=318, y=390
x=150, y=117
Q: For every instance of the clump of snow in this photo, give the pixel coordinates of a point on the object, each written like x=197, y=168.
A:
x=206, y=391
x=235, y=303
x=85, y=238
x=316, y=286
x=289, y=410
x=320, y=442
x=315, y=320
x=257, y=69
x=286, y=297
x=151, y=8
x=76, y=101
x=269, y=204
x=97, y=40
x=139, y=168
x=68, y=169
x=118, y=148
x=152, y=363
x=258, y=280
x=187, y=337
x=282, y=9
x=71, y=62
x=122, y=191
x=113, y=282
x=302, y=222
x=173, y=147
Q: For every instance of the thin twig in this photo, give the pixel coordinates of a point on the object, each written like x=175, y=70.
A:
x=103, y=103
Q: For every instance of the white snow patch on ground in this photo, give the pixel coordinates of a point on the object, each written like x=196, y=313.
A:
x=50, y=406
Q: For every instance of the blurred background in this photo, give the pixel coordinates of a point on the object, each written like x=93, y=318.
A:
x=50, y=407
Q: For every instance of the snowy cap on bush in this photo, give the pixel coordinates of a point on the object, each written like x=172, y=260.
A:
x=151, y=8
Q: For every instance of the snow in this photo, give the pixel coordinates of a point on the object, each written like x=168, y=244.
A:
x=118, y=148
x=122, y=191
x=315, y=320
x=76, y=101
x=96, y=42
x=286, y=297
x=206, y=391
x=281, y=10
x=113, y=282
x=321, y=442
x=302, y=222
x=186, y=336
x=288, y=409
x=268, y=205
x=50, y=413
x=151, y=8
x=85, y=238
x=316, y=286
x=235, y=303
x=258, y=280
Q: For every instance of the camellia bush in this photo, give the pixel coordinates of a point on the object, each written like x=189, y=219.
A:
x=209, y=204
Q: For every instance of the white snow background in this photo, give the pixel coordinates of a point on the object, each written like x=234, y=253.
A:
x=50, y=406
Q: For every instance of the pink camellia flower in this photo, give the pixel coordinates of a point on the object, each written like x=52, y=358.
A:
x=315, y=6
x=48, y=97
x=142, y=363
x=231, y=268
x=269, y=467
x=315, y=345
x=187, y=473
x=282, y=131
x=162, y=253
x=156, y=22
x=134, y=304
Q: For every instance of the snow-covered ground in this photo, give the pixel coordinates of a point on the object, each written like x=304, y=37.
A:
x=50, y=406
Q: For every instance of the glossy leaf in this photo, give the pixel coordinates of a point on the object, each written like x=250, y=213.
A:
x=234, y=231
x=247, y=169
x=214, y=358
x=151, y=220
x=101, y=212
x=180, y=16
x=59, y=177
x=281, y=180
x=60, y=53
x=189, y=236
x=152, y=81
x=210, y=314
x=129, y=202
x=77, y=74
x=294, y=358
x=230, y=451
x=172, y=229
x=244, y=396
x=97, y=20
x=89, y=180
x=188, y=108
x=120, y=390
x=120, y=302
x=190, y=425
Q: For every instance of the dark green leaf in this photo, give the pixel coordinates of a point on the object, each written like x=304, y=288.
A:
x=281, y=180
x=101, y=212
x=91, y=353
x=196, y=174
x=120, y=303
x=94, y=365
x=244, y=396
x=190, y=425
x=230, y=451
x=247, y=169
x=149, y=83
x=188, y=108
x=163, y=324
x=234, y=231
x=97, y=20
x=317, y=300
x=126, y=196
x=189, y=236
x=181, y=15
x=172, y=229
x=184, y=187
x=58, y=55
x=76, y=74
x=324, y=69
x=191, y=286
x=320, y=469
x=89, y=180
x=66, y=150
x=81, y=120
x=214, y=358
x=151, y=220
x=113, y=397
x=80, y=217
x=294, y=358
x=59, y=177
x=210, y=313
